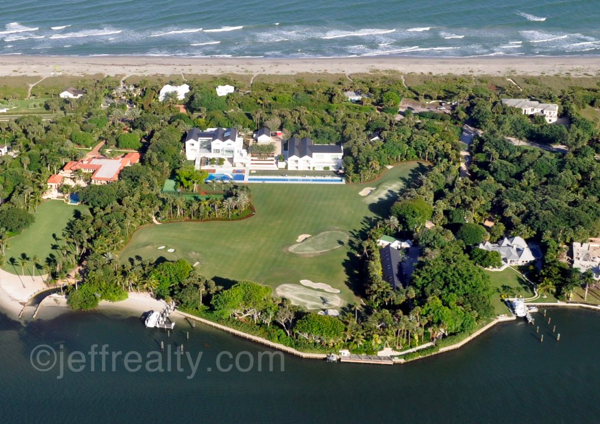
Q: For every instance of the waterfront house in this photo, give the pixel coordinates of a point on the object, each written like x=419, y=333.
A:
x=216, y=143
x=531, y=107
x=181, y=91
x=391, y=266
x=303, y=155
x=513, y=251
x=394, y=243
x=586, y=257
x=223, y=90
x=71, y=93
x=3, y=149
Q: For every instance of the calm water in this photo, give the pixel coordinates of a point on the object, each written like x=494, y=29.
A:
x=293, y=28
x=506, y=375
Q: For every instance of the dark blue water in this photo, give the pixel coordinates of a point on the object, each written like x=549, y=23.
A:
x=293, y=28
x=506, y=375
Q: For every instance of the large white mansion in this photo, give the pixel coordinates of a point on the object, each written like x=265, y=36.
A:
x=215, y=143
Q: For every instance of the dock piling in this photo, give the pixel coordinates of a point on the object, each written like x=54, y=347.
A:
x=549, y=319
x=558, y=337
x=554, y=329
x=188, y=335
x=538, y=329
x=162, y=345
x=544, y=312
x=542, y=339
x=181, y=347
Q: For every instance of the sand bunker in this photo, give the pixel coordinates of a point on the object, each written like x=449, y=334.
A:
x=196, y=264
x=319, y=286
x=366, y=191
x=302, y=237
x=171, y=250
x=161, y=247
x=330, y=312
x=321, y=243
x=389, y=166
x=387, y=190
x=310, y=299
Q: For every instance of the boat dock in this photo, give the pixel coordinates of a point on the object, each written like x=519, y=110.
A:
x=368, y=359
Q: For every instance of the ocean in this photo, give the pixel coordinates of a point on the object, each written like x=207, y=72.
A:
x=505, y=375
x=300, y=29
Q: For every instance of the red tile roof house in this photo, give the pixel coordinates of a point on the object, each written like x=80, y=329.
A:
x=103, y=170
x=54, y=183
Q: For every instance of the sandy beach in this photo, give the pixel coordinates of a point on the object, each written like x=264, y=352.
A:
x=18, y=65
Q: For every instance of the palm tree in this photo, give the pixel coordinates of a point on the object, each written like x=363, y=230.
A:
x=23, y=262
x=588, y=279
x=546, y=286
x=35, y=261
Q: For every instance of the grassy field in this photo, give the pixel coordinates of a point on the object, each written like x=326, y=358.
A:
x=51, y=217
x=256, y=249
x=26, y=106
x=593, y=114
x=509, y=278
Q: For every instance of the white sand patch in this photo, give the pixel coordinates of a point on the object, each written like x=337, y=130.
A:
x=302, y=237
x=196, y=264
x=310, y=299
x=319, y=286
x=161, y=247
x=366, y=191
x=385, y=191
x=389, y=166
x=330, y=312
x=171, y=250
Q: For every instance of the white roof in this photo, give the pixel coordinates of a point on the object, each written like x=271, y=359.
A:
x=223, y=90
x=109, y=167
x=181, y=91
x=528, y=104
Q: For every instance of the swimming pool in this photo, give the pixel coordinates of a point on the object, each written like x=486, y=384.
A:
x=334, y=180
x=225, y=177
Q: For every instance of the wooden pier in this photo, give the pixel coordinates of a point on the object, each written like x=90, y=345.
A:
x=368, y=359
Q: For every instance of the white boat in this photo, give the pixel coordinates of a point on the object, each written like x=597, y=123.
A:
x=519, y=308
x=533, y=309
x=152, y=319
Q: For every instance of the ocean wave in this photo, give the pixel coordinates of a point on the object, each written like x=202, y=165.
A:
x=515, y=42
x=419, y=29
x=58, y=28
x=361, y=33
x=585, y=43
x=531, y=17
x=177, y=31
x=86, y=33
x=224, y=29
x=452, y=36
x=23, y=37
x=15, y=28
x=510, y=46
x=546, y=40
x=388, y=52
x=208, y=43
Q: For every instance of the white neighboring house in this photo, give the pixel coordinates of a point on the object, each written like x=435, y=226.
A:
x=263, y=135
x=215, y=143
x=304, y=155
x=394, y=243
x=71, y=93
x=223, y=90
x=513, y=251
x=3, y=149
x=181, y=91
x=353, y=96
x=532, y=107
x=586, y=256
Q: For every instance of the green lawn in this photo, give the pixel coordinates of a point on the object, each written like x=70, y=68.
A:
x=509, y=278
x=256, y=249
x=51, y=217
x=25, y=106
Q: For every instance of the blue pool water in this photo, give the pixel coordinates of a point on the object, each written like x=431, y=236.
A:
x=295, y=180
x=74, y=198
x=225, y=177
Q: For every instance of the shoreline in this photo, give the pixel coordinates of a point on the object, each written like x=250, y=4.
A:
x=46, y=66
